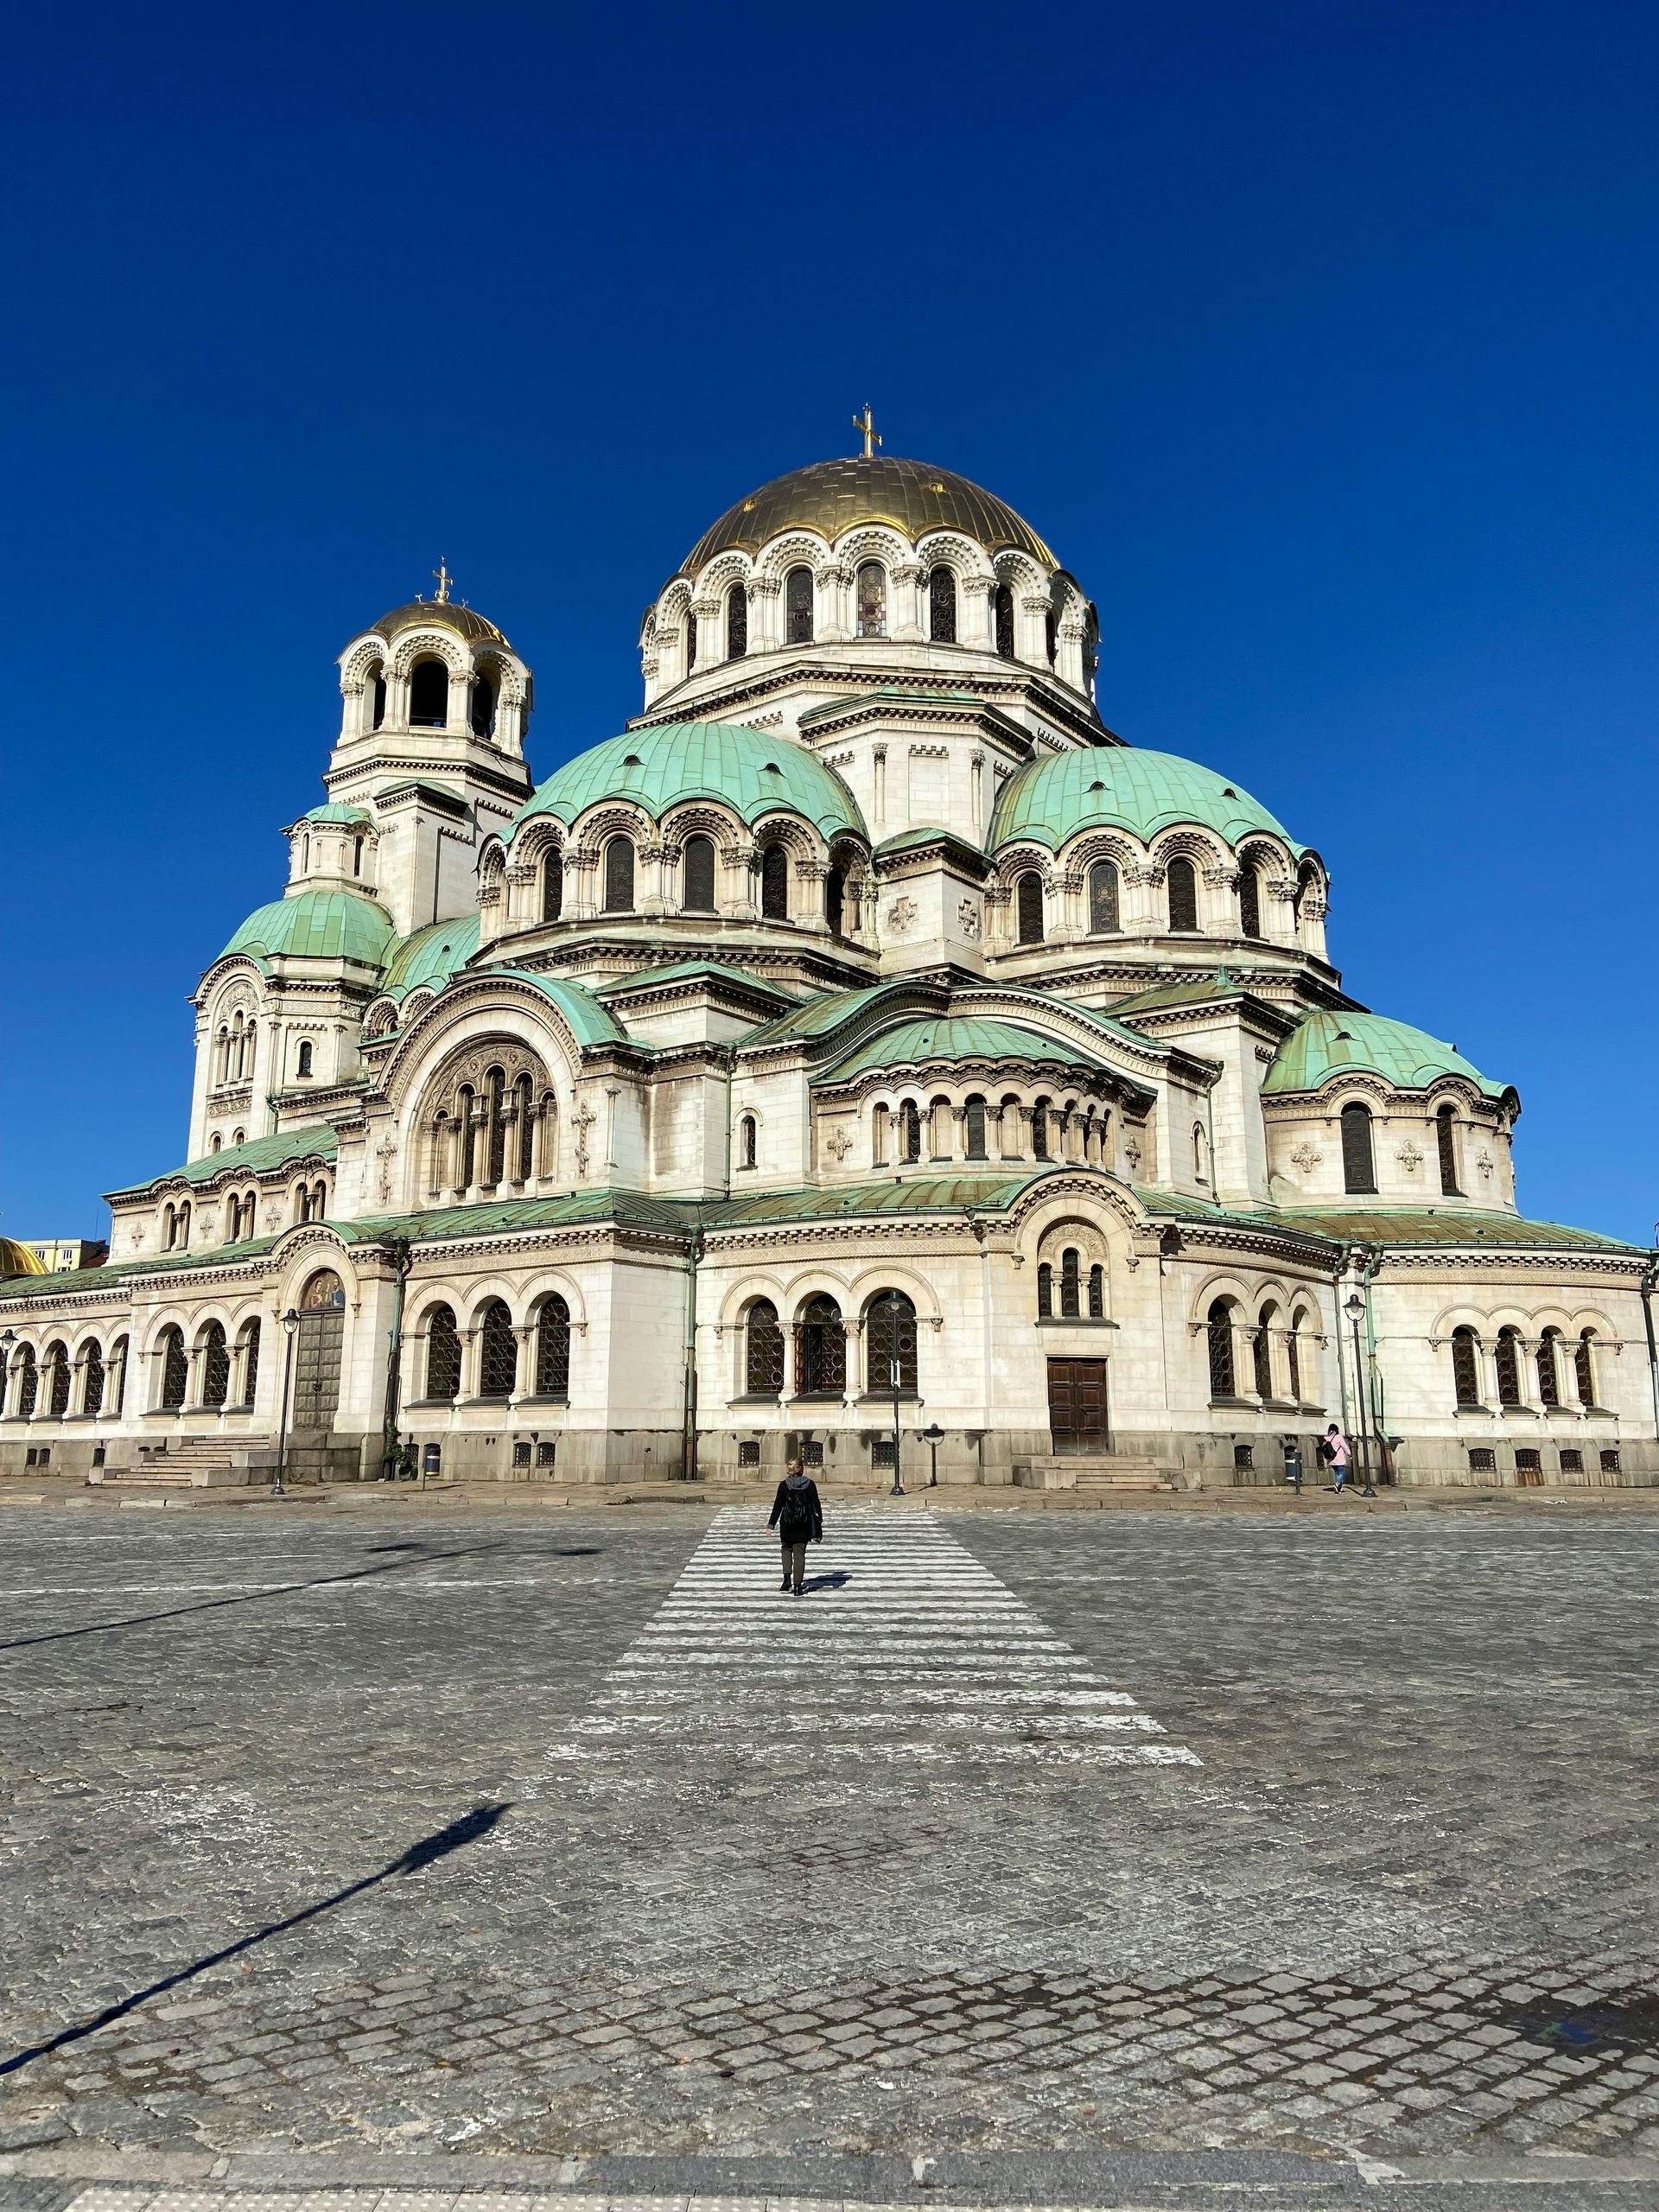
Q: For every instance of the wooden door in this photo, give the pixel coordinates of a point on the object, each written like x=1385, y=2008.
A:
x=1077, y=1406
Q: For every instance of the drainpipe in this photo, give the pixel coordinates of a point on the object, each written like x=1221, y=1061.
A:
x=1647, y=1284
x=689, y=1438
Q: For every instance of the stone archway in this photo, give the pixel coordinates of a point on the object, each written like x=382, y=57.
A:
x=317, y=1351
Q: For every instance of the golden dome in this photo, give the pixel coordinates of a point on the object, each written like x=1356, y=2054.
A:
x=447, y=613
x=17, y=1259
x=833, y=496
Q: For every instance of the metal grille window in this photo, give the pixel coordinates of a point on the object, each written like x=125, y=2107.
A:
x=553, y=1349
x=870, y=593
x=974, y=1129
x=774, y=884
x=698, y=879
x=910, y=1131
x=1572, y=1462
x=1070, y=1283
x=1508, y=1368
x=1028, y=907
x=1482, y=1460
x=1249, y=902
x=215, y=1365
x=1002, y=616
x=798, y=608
x=690, y=639
x=546, y=1455
x=1096, y=1293
x=821, y=1358
x=942, y=607
x=521, y=1454
x=1261, y=1352
x=1584, y=1367
x=553, y=886
x=92, y=1398
x=1102, y=896
x=890, y=1334
x=749, y=1455
x=1529, y=1464
x=498, y=1359
x=26, y=1380
x=497, y=1148
x=1181, y=884
x=57, y=1369
x=763, y=1347
x=747, y=1141
x=1045, y=1291
x=1293, y=1358
x=1243, y=1458
x=1549, y=1374
x=737, y=622
x=174, y=1372
x=443, y=1353
x=468, y=1135
x=1040, y=1130
x=118, y=1365
x=812, y=1453
x=524, y=1094
x=1219, y=1330
x=250, y=1363
x=1465, y=1366
x=1610, y=1460
x=1359, y=1164
x=1446, y=1136
x=618, y=876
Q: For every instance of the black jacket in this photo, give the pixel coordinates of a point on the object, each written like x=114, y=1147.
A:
x=796, y=1513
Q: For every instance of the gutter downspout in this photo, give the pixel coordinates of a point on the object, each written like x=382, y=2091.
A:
x=397, y=1251
x=1648, y=1283
x=689, y=1438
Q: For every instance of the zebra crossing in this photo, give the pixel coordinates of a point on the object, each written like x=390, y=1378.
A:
x=904, y=1649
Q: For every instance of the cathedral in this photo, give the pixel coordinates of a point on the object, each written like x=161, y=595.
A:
x=866, y=1055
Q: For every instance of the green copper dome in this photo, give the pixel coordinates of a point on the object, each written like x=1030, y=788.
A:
x=430, y=956
x=317, y=926
x=956, y=1038
x=657, y=768
x=1121, y=787
x=1327, y=1044
x=336, y=810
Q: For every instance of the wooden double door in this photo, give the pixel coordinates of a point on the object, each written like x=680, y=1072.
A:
x=1076, y=1407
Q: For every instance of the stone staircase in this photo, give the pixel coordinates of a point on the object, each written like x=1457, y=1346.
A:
x=194, y=1463
x=1109, y=1472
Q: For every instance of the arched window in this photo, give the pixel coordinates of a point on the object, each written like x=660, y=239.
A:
x=737, y=622
x=25, y=1381
x=443, y=1353
x=1249, y=902
x=483, y=716
x=213, y=1142
x=175, y=1370
x=304, y=1066
x=774, y=884
x=910, y=1132
x=1359, y=1164
x=1466, y=1367
x=1002, y=620
x=305, y=854
x=763, y=1350
x=834, y=900
x=1446, y=1136
x=1261, y=1352
x=1584, y=1367
x=356, y=856
x=690, y=639
x=1097, y=1293
x=1102, y=897
x=1219, y=1331
x=974, y=1129
x=798, y=608
x=553, y=1349
x=319, y=1200
x=1040, y=1130
x=618, y=876
x=379, y=699
x=1070, y=1284
x=747, y=1141
x=1028, y=907
x=1549, y=1373
x=468, y=1141
x=250, y=1363
x=870, y=599
x=429, y=694
x=697, y=876
x=1200, y=1155
x=118, y=1368
x=880, y=1120
x=524, y=1093
x=890, y=1338
x=553, y=884
x=215, y=1365
x=1049, y=634
x=497, y=1156
x=942, y=606
x=184, y=1222
x=92, y=1398
x=498, y=1352
x=1294, y=1355
x=57, y=1379
x=1182, y=888
x=1045, y=1291
x=822, y=1364
x=1508, y=1368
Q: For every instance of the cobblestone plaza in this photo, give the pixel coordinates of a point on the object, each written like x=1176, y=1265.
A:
x=442, y=1830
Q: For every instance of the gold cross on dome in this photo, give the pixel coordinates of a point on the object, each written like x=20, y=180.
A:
x=866, y=422
x=445, y=580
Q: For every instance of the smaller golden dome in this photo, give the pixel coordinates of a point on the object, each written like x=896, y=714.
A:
x=448, y=615
x=17, y=1259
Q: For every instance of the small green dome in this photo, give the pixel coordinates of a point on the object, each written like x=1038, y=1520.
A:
x=1327, y=1044
x=430, y=956
x=336, y=810
x=956, y=1038
x=317, y=926
x=1121, y=787
x=657, y=768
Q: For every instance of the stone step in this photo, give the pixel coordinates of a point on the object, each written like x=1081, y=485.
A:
x=1096, y=1472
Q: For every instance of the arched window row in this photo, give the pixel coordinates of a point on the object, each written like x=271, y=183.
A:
x=812, y=1356
x=1081, y=892
x=688, y=880
x=490, y=1124
x=1516, y=1372
x=235, y=1042
x=1001, y=1125
x=1269, y=1356
x=489, y=700
x=510, y=1360
x=57, y=1382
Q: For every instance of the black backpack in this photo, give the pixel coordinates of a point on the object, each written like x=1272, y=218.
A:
x=795, y=1523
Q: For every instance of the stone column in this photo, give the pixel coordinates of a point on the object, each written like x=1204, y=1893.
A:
x=458, y=711
x=975, y=625
x=905, y=616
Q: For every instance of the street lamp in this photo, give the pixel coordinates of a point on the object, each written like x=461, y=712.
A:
x=291, y=1330
x=1355, y=1309
x=895, y=1303
x=8, y=1338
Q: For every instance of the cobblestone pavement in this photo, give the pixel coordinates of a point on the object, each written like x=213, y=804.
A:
x=417, y=1841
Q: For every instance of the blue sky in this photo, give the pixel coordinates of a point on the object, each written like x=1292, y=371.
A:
x=1320, y=340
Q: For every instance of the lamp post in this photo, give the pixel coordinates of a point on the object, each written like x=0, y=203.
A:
x=894, y=1302
x=933, y=1436
x=8, y=1338
x=291, y=1330
x=1355, y=1309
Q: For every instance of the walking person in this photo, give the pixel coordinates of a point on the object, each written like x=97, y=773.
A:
x=1338, y=1451
x=798, y=1518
